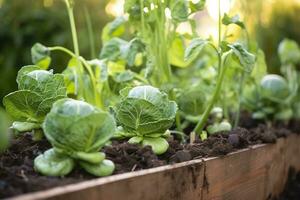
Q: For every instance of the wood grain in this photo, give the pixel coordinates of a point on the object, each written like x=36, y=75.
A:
x=256, y=173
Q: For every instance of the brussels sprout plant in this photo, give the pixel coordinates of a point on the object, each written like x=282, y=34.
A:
x=77, y=131
x=145, y=114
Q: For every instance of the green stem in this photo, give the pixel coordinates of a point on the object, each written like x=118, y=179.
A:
x=98, y=100
x=90, y=32
x=178, y=122
x=81, y=60
x=70, y=6
x=200, y=125
x=219, y=24
x=63, y=49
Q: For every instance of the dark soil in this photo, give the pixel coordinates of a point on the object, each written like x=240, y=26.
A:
x=17, y=175
x=292, y=187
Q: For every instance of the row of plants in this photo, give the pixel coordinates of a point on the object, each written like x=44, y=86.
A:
x=148, y=83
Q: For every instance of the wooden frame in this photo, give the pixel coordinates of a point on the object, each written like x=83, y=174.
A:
x=257, y=172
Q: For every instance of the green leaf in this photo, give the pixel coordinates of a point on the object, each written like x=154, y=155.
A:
x=51, y=163
x=25, y=126
x=289, y=52
x=198, y=6
x=246, y=59
x=135, y=140
x=112, y=49
x=194, y=49
x=94, y=157
x=227, y=20
x=22, y=105
x=113, y=29
x=105, y=168
x=159, y=145
x=41, y=56
x=24, y=71
x=76, y=126
x=179, y=10
x=135, y=47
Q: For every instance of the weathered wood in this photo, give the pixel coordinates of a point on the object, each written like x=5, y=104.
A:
x=257, y=172
x=179, y=181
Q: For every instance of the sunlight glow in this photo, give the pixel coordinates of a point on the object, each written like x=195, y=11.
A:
x=212, y=8
x=115, y=8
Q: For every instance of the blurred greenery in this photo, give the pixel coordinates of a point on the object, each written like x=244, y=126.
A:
x=269, y=23
x=23, y=23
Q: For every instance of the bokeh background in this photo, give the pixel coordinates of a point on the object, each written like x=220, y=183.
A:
x=23, y=23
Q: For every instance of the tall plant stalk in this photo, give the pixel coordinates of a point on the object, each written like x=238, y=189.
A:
x=81, y=62
x=221, y=74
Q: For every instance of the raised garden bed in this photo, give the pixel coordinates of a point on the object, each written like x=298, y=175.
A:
x=257, y=172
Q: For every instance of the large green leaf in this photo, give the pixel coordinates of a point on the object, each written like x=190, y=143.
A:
x=75, y=126
x=22, y=105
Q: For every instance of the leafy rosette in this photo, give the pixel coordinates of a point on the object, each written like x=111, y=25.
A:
x=38, y=90
x=77, y=131
x=145, y=113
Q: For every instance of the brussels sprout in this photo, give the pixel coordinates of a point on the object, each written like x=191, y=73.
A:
x=77, y=131
x=146, y=113
x=38, y=90
x=274, y=87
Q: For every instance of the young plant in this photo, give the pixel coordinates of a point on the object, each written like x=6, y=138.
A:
x=275, y=97
x=267, y=101
x=145, y=114
x=77, y=131
x=38, y=90
x=223, y=52
x=289, y=54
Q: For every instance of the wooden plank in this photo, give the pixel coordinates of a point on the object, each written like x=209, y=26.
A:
x=179, y=181
x=236, y=176
x=257, y=172
x=277, y=171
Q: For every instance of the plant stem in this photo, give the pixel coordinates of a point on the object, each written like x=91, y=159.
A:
x=219, y=24
x=200, y=125
x=70, y=7
x=81, y=60
x=63, y=49
x=90, y=32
